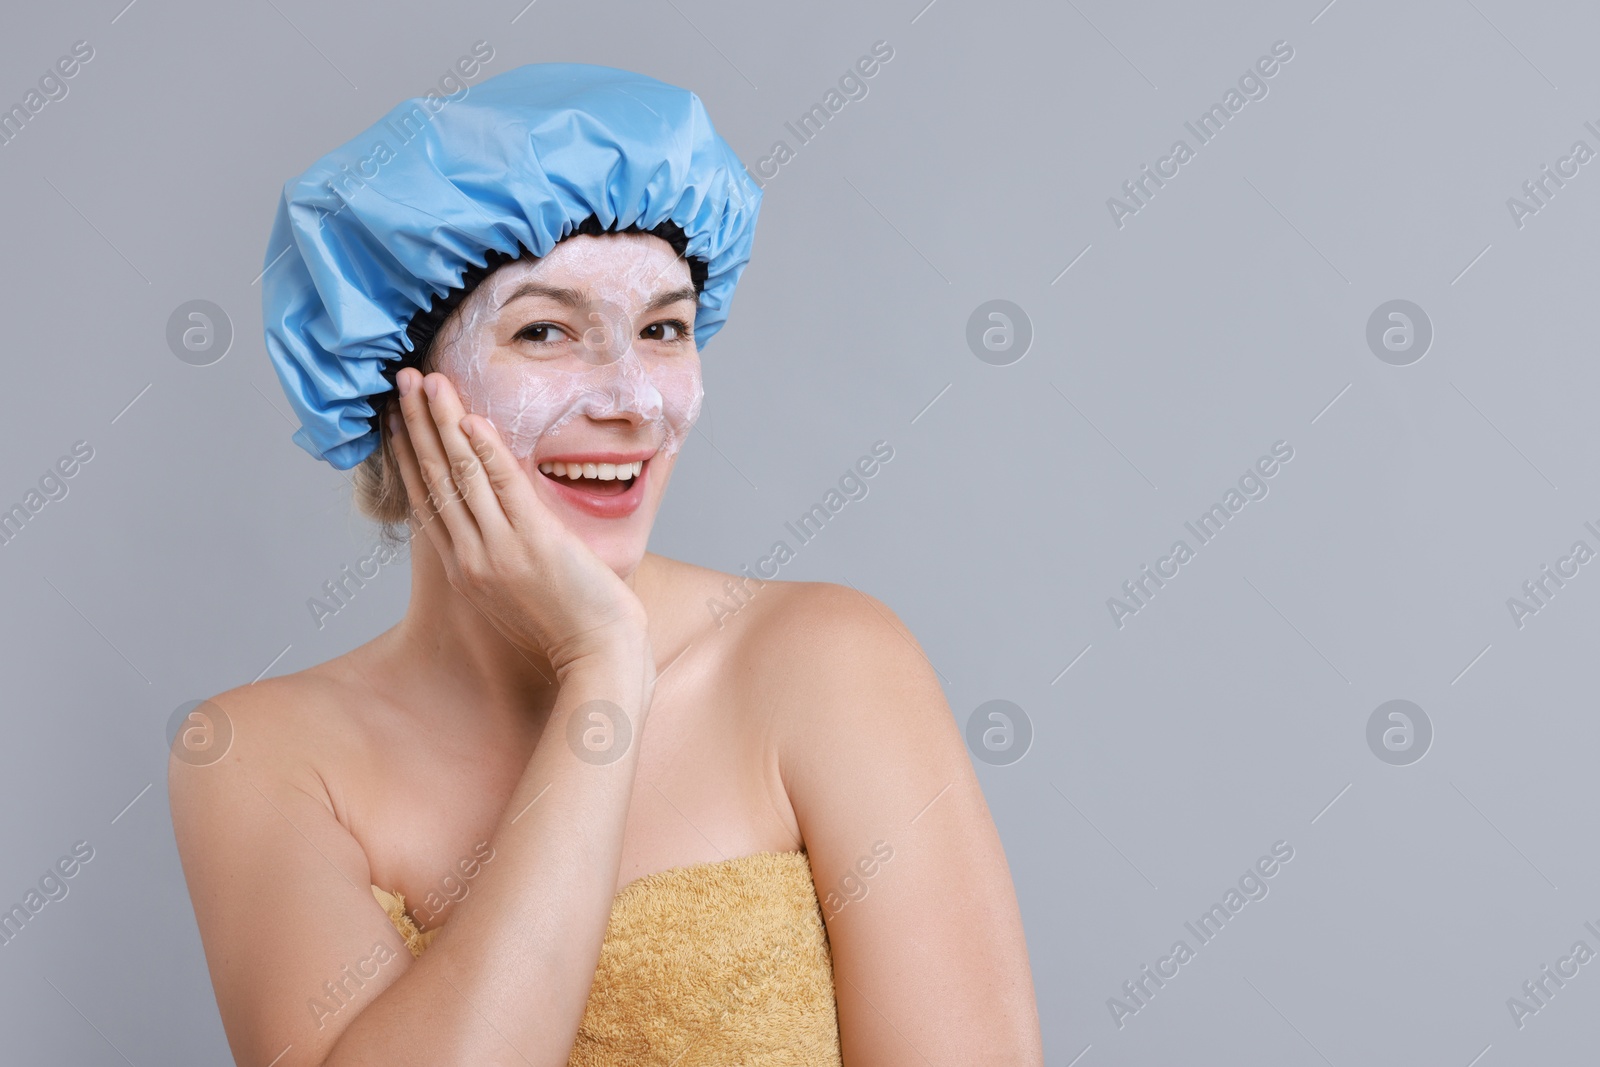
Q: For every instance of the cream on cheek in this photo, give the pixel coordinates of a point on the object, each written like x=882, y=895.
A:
x=529, y=396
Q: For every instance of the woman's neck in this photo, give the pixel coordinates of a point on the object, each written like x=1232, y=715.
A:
x=445, y=642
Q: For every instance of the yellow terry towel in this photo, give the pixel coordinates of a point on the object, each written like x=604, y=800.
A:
x=704, y=966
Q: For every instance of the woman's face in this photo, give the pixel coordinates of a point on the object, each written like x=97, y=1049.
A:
x=585, y=362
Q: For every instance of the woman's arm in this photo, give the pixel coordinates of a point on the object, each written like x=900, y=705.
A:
x=280, y=884
x=930, y=964
x=301, y=955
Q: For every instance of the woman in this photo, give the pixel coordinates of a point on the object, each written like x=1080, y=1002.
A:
x=630, y=831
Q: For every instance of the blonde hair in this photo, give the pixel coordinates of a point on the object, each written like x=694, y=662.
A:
x=380, y=491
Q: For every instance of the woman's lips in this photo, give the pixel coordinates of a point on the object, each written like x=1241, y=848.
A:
x=613, y=499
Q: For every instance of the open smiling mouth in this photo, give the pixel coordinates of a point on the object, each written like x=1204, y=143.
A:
x=595, y=479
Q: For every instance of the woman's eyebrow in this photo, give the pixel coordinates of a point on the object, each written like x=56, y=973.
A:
x=571, y=298
x=670, y=297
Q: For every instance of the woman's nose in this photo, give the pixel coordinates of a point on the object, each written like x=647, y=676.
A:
x=625, y=391
x=609, y=336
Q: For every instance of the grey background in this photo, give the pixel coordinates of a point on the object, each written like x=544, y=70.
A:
x=1226, y=315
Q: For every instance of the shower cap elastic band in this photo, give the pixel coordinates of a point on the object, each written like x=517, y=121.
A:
x=387, y=224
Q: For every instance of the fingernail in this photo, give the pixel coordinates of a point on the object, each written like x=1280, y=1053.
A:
x=404, y=381
x=466, y=425
x=431, y=387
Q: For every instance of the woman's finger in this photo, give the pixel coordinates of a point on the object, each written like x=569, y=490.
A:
x=434, y=462
x=466, y=468
x=416, y=489
x=506, y=477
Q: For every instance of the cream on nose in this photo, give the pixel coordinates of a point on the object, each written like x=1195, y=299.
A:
x=627, y=390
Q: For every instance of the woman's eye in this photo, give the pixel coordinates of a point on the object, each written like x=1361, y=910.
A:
x=541, y=333
x=657, y=331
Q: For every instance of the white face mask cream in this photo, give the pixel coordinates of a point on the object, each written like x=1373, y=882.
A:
x=588, y=302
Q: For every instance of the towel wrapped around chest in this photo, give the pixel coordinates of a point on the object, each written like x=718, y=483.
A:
x=703, y=966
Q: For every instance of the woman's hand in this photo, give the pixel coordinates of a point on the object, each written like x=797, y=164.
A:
x=247, y=820
x=502, y=547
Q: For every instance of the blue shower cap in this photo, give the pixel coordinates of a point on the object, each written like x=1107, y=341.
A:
x=382, y=226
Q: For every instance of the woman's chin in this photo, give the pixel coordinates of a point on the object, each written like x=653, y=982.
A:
x=614, y=523
x=620, y=551
x=619, y=542
x=626, y=570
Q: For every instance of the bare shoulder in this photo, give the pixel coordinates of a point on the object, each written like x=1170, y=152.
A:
x=273, y=715
x=838, y=668
x=776, y=631
x=913, y=883
x=811, y=654
x=821, y=636
x=793, y=622
x=286, y=731
x=263, y=830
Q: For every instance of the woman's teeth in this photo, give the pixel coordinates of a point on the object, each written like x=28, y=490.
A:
x=604, y=472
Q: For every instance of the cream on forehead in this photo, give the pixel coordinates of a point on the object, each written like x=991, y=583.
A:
x=601, y=375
